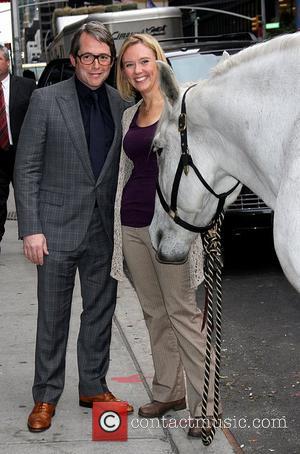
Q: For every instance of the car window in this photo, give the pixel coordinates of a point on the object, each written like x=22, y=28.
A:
x=35, y=68
x=54, y=76
x=192, y=67
x=56, y=71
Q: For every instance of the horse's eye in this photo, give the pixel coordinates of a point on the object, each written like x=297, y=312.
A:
x=157, y=150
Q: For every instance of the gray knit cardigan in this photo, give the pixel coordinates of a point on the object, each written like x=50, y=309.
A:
x=125, y=169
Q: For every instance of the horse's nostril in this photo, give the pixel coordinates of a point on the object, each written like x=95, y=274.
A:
x=159, y=236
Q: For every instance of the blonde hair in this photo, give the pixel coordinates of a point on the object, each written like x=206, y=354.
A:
x=125, y=89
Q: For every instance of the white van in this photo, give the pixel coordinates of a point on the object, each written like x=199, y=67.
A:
x=163, y=23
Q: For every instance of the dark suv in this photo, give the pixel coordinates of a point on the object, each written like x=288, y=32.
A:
x=192, y=59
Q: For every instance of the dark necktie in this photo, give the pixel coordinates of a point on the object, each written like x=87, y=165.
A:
x=4, y=140
x=97, y=136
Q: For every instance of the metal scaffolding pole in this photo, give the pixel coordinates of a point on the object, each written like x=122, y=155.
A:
x=15, y=21
x=263, y=18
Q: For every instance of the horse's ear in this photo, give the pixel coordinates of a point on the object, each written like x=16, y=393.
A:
x=168, y=83
x=224, y=57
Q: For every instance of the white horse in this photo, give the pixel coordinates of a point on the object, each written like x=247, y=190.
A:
x=243, y=124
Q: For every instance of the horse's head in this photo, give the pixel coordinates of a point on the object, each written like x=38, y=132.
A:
x=195, y=204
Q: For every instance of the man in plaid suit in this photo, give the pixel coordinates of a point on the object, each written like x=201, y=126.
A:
x=65, y=181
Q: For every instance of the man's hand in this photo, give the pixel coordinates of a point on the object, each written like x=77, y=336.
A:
x=35, y=247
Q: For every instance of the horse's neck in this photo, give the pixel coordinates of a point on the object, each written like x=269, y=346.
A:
x=242, y=107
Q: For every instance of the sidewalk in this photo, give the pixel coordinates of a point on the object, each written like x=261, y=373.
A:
x=130, y=373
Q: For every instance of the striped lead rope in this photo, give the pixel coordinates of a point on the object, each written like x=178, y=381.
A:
x=213, y=284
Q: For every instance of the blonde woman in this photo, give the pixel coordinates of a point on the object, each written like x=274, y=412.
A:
x=166, y=292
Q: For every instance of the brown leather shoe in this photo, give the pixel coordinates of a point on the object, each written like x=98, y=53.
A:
x=85, y=401
x=40, y=417
x=156, y=409
x=196, y=431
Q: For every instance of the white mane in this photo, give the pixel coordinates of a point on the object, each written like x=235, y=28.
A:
x=280, y=43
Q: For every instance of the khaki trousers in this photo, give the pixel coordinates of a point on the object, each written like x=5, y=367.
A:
x=173, y=321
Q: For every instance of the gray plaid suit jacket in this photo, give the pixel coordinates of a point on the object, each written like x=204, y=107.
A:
x=55, y=188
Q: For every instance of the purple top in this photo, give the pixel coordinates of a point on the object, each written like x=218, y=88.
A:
x=138, y=198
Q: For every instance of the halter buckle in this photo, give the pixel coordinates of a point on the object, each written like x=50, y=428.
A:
x=182, y=122
x=172, y=214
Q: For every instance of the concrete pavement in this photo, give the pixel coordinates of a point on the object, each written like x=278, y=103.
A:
x=130, y=374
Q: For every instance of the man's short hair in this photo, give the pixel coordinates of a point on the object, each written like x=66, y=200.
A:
x=98, y=31
x=5, y=51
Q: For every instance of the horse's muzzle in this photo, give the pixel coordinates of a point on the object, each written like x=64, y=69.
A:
x=166, y=261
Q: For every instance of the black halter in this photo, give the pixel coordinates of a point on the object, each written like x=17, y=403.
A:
x=185, y=162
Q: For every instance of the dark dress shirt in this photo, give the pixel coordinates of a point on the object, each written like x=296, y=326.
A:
x=85, y=102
